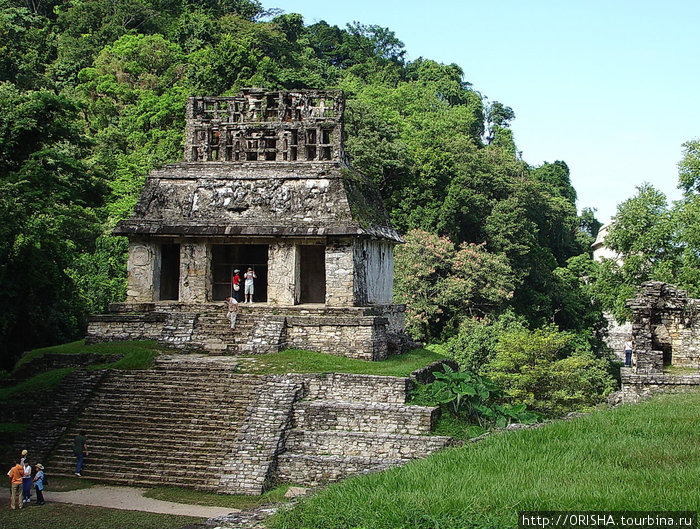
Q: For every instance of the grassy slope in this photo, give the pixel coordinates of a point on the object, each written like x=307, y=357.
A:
x=642, y=457
x=298, y=361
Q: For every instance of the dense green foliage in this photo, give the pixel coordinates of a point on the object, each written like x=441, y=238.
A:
x=550, y=371
x=473, y=398
x=631, y=458
x=653, y=241
x=93, y=96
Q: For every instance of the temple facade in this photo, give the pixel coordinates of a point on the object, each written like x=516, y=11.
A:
x=264, y=185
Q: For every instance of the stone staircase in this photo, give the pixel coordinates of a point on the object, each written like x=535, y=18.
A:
x=171, y=425
x=50, y=421
x=192, y=421
x=351, y=424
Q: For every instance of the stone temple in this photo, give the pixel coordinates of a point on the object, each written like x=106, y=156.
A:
x=265, y=184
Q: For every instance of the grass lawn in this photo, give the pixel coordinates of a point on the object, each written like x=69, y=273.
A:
x=135, y=355
x=299, y=361
x=641, y=457
x=680, y=370
x=234, y=501
x=67, y=516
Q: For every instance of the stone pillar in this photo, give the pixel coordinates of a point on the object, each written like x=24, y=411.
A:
x=282, y=262
x=143, y=272
x=340, y=274
x=195, y=276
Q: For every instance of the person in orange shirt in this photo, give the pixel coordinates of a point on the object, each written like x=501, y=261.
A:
x=16, y=473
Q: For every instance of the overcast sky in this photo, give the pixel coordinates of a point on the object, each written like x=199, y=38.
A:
x=610, y=87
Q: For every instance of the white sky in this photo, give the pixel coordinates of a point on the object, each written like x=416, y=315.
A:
x=609, y=86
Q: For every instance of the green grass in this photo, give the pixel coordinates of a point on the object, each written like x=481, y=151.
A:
x=642, y=457
x=26, y=389
x=233, y=501
x=66, y=484
x=680, y=370
x=135, y=355
x=67, y=516
x=299, y=361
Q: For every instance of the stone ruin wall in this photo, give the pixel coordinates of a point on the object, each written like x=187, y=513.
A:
x=294, y=195
x=665, y=330
x=374, y=263
x=265, y=126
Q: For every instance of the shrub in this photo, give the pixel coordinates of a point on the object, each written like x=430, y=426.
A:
x=549, y=371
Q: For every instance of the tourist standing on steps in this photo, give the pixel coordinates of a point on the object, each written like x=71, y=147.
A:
x=16, y=473
x=80, y=450
x=629, y=347
x=232, y=306
x=250, y=278
x=26, y=481
x=236, y=285
x=39, y=484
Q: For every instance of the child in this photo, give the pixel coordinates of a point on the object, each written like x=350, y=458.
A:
x=39, y=484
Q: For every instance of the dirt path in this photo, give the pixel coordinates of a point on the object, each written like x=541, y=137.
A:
x=126, y=498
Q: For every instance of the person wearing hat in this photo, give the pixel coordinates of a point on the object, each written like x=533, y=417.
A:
x=16, y=473
x=39, y=484
x=236, y=285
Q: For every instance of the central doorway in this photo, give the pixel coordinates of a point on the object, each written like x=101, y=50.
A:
x=169, y=272
x=225, y=258
x=312, y=274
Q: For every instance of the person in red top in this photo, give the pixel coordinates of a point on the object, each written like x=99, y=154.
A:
x=236, y=284
x=16, y=474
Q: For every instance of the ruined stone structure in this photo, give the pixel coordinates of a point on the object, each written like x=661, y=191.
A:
x=265, y=184
x=244, y=433
x=666, y=332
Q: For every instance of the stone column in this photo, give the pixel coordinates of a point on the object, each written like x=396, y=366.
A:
x=195, y=282
x=143, y=272
x=340, y=274
x=282, y=263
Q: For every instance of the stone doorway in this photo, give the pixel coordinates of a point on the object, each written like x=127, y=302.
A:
x=226, y=258
x=169, y=272
x=312, y=274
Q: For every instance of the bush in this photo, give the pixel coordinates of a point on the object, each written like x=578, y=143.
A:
x=549, y=371
x=474, y=345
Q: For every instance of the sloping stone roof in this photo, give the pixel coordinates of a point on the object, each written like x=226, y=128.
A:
x=280, y=199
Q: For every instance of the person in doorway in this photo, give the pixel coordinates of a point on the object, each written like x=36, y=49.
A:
x=39, y=484
x=236, y=285
x=80, y=450
x=26, y=481
x=232, y=306
x=16, y=474
x=250, y=278
x=629, y=347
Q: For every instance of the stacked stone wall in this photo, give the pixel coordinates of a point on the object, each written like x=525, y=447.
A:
x=124, y=327
x=636, y=387
x=363, y=338
x=340, y=274
x=250, y=469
